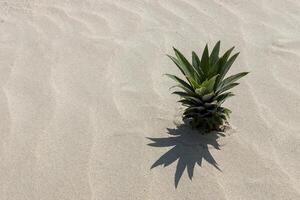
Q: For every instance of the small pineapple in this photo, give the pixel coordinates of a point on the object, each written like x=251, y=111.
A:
x=206, y=87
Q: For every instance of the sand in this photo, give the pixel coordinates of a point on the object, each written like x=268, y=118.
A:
x=82, y=91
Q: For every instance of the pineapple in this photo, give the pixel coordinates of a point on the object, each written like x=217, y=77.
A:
x=206, y=87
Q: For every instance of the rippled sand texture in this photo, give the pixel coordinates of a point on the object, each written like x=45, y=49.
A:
x=82, y=89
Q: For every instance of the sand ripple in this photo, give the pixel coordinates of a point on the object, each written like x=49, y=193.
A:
x=82, y=88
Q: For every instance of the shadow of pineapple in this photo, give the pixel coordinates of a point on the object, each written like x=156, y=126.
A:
x=188, y=149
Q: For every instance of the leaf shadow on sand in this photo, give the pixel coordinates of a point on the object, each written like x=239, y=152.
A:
x=189, y=147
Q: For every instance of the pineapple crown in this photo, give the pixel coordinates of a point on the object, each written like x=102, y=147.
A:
x=206, y=87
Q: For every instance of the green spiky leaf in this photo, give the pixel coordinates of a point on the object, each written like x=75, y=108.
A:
x=226, y=87
x=182, y=82
x=225, y=68
x=204, y=63
x=233, y=78
x=214, y=56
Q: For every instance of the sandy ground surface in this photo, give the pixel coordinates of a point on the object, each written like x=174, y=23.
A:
x=82, y=91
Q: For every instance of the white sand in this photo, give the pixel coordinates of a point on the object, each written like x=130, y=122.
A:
x=82, y=89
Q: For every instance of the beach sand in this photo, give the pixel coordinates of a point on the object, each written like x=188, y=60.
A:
x=82, y=91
